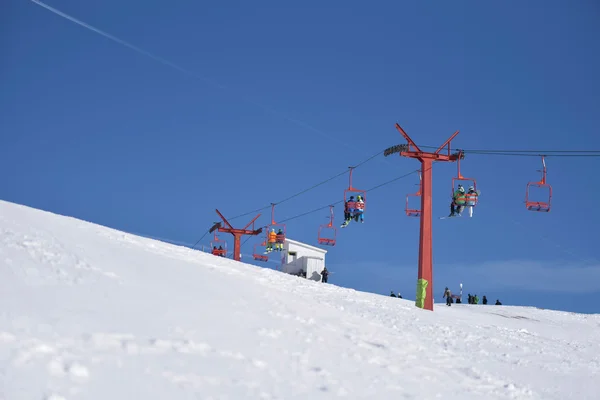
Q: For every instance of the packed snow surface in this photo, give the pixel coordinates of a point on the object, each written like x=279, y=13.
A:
x=88, y=312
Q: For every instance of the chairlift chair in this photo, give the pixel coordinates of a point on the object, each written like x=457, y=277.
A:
x=215, y=246
x=471, y=181
x=348, y=192
x=273, y=225
x=459, y=178
x=414, y=212
x=328, y=240
x=543, y=206
x=257, y=255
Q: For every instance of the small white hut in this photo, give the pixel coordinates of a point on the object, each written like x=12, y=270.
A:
x=303, y=259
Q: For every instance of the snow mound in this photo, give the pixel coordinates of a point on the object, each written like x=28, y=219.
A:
x=88, y=312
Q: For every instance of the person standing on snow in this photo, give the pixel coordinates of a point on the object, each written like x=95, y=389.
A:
x=448, y=296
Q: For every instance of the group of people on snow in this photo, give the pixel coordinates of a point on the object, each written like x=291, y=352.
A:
x=475, y=300
x=449, y=297
x=471, y=299
x=353, y=209
x=393, y=295
x=462, y=199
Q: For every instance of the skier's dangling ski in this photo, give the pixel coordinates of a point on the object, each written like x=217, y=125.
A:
x=452, y=216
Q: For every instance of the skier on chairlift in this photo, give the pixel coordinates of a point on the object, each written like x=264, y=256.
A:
x=359, y=209
x=348, y=211
x=458, y=202
x=271, y=239
x=353, y=209
x=279, y=240
x=471, y=199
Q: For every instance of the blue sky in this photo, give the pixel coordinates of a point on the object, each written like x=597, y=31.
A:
x=272, y=98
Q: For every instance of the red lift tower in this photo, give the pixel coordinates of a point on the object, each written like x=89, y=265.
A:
x=424, y=298
x=237, y=233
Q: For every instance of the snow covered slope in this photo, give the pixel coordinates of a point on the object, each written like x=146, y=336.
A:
x=87, y=312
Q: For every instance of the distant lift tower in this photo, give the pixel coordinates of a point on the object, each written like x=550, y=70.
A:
x=237, y=233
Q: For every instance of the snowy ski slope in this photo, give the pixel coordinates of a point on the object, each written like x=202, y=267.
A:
x=88, y=312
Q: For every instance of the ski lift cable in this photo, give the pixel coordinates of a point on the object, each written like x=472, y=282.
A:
x=300, y=193
x=205, y=233
x=398, y=178
x=510, y=151
x=530, y=153
x=309, y=188
x=341, y=201
x=380, y=185
x=573, y=153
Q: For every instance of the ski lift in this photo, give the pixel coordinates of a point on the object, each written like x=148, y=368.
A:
x=414, y=212
x=329, y=241
x=280, y=238
x=215, y=244
x=361, y=206
x=471, y=199
x=459, y=176
x=543, y=206
x=257, y=255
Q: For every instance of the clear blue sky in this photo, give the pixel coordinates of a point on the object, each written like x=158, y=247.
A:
x=95, y=130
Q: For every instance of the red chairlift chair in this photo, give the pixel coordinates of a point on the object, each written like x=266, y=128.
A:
x=351, y=189
x=543, y=206
x=414, y=212
x=280, y=236
x=459, y=178
x=257, y=255
x=330, y=239
x=215, y=246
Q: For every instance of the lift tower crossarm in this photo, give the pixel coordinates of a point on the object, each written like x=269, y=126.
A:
x=419, y=154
